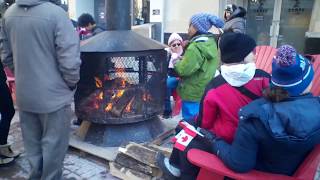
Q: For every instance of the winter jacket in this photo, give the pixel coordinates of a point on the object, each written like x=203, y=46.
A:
x=221, y=103
x=273, y=137
x=96, y=30
x=197, y=67
x=39, y=40
x=3, y=76
x=236, y=22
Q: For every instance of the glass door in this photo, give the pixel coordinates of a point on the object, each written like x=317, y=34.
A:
x=260, y=19
x=294, y=23
x=278, y=22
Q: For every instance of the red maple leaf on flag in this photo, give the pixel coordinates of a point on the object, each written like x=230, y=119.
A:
x=185, y=138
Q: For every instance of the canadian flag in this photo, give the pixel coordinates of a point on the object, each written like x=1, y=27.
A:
x=185, y=136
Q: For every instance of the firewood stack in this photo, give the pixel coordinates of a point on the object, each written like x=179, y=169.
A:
x=138, y=162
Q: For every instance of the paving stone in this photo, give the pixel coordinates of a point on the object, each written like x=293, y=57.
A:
x=75, y=163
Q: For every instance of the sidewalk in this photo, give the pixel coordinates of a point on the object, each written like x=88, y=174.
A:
x=77, y=165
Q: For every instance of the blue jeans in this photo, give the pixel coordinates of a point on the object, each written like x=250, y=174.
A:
x=172, y=83
x=190, y=110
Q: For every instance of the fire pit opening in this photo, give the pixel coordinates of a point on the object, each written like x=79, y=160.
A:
x=121, y=88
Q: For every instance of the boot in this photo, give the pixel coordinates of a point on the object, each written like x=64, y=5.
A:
x=7, y=152
x=5, y=161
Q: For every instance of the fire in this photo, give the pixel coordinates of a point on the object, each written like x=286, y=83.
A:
x=128, y=108
x=108, y=107
x=146, y=97
x=98, y=82
x=100, y=96
x=119, y=93
x=123, y=83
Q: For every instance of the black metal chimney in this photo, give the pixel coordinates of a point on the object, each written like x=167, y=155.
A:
x=119, y=37
x=118, y=14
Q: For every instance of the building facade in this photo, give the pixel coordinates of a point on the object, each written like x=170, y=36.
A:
x=270, y=22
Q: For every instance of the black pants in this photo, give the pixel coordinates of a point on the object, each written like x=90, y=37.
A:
x=179, y=159
x=7, y=112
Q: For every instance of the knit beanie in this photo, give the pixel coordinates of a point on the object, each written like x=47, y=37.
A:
x=204, y=21
x=230, y=8
x=234, y=47
x=291, y=71
x=173, y=37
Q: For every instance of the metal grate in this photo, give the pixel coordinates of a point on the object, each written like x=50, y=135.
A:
x=121, y=89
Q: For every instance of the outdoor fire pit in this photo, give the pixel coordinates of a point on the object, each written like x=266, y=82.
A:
x=122, y=82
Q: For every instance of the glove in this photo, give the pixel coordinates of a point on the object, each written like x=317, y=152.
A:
x=208, y=136
x=72, y=87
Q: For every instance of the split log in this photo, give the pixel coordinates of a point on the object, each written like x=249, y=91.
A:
x=165, y=150
x=140, y=153
x=136, y=165
x=83, y=129
x=120, y=103
x=127, y=173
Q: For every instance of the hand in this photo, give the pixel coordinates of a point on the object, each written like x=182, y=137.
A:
x=207, y=135
x=72, y=87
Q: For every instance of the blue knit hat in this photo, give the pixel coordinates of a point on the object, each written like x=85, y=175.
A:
x=291, y=71
x=204, y=21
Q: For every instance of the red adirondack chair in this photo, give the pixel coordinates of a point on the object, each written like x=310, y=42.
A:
x=316, y=80
x=264, y=55
x=212, y=168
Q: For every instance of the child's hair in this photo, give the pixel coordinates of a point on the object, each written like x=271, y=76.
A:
x=275, y=94
x=85, y=19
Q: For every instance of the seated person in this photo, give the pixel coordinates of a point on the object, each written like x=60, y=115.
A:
x=89, y=26
x=238, y=84
x=175, y=51
x=277, y=132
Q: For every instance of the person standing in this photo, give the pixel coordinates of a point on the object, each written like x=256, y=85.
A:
x=198, y=64
x=7, y=110
x=6, y=115
x=234, y=17
x=46, y=63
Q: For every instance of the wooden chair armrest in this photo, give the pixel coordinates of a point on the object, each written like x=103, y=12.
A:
x=212, y=163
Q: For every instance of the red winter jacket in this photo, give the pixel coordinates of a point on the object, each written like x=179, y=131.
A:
x=221, y=103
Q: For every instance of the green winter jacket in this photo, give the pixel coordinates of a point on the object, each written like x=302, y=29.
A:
x=197, y=67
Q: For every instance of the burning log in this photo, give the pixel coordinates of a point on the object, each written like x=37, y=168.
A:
x=121, y=100
x=119, y=104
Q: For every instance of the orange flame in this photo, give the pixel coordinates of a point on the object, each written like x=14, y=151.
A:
x=128, y=108
x=100, y=96
x=108, y=107
x=119, y=93
x=144, y=97
x=123, y=83
x=98, y=82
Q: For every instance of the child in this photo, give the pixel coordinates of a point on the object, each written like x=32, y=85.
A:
x=198, y=64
